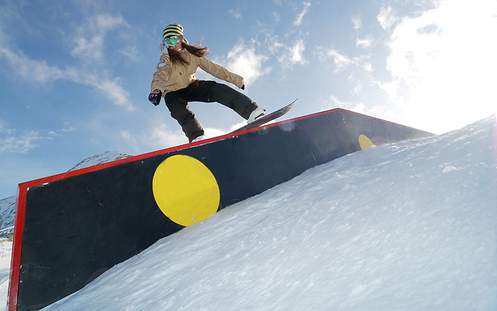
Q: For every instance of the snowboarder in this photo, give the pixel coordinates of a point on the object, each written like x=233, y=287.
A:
x=174, y=79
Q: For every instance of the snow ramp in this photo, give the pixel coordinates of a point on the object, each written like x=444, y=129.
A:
x=72, y=227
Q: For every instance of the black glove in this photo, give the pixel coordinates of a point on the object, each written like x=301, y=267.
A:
x=155, y=96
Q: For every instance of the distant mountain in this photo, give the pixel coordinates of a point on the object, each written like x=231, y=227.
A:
x=8, y=205
x=99, y=159
x=7, y=216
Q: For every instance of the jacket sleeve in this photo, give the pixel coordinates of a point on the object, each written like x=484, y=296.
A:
x=220, y=72
x=161, y=74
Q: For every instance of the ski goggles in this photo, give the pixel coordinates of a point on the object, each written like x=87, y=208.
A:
x=171, y=41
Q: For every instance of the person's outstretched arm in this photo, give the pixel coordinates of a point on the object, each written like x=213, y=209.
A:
x=220, y=72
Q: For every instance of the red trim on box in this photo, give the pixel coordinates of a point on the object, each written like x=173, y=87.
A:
x=15, y=265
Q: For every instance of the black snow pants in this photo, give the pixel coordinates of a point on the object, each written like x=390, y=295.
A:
x=205, y=91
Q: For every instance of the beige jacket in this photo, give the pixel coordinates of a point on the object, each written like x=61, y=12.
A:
x=174, y=76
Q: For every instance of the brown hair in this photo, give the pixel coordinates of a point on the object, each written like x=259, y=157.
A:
x=195, y=50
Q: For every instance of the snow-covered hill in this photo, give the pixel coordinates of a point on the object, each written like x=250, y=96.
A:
x=408, y=226
x=7, y=215
x=105, y=157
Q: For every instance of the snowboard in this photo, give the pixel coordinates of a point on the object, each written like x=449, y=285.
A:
x=267, y=117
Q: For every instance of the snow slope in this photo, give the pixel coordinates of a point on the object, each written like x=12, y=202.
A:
x=408, y=226
x=5, y=252
x=7, y=214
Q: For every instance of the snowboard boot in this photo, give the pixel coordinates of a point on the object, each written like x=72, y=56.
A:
x=201, y=137
x=256, y=114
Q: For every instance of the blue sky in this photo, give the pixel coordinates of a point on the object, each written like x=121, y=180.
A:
x=74, y=75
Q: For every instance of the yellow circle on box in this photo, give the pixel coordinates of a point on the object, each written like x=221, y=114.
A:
x=185, y=190
x=365, y=142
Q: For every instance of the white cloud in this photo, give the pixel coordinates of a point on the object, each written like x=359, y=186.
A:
x=128, y=137
x=443, y=68
x=160, y=136
x=16, y=141
x=336, y=102
x=89, y=39
x=382, y=111
x=237, y=125
x=131, y=52
x=235, y=13
x=297, y=53
x=292, y=55
x=358, y=88
x=273, y=45
x=340, y=60
x=88, y=48
x=356, y=22
x=111, y=89
x=245, y=61
x=363, y=42
x=300, y=16
x=213, y=132
x=356, y=106
x=366, y=66
x=106, y=22
x=386, y=18
x=68, y=129
x=156, y=137
x=40, y=71
x=13, y=141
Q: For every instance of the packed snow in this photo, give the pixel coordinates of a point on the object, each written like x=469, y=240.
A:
x=5, y=254
x=406, y=226
x=7, y=214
